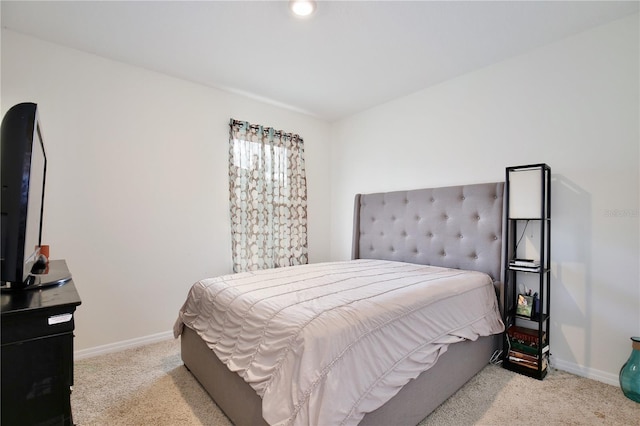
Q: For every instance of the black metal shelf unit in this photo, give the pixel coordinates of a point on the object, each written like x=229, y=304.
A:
x=527, y=319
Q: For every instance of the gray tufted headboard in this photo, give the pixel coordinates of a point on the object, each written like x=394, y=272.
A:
x=454, y=227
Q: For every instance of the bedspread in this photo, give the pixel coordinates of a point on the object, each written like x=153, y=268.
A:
x=326, y=343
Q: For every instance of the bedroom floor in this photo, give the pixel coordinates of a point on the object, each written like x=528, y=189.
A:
x=149, y=385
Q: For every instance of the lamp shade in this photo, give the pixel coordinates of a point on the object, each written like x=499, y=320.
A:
x=526, y=185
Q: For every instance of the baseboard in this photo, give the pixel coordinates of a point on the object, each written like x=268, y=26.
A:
x=589, y=373
x=120, y=346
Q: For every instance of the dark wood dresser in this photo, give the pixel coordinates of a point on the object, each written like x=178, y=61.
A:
x=36, y=355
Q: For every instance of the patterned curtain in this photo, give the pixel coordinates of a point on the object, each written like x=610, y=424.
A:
x=268, y=197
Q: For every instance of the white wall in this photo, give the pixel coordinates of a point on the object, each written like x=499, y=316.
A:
x=137, y=186
x=572, y=104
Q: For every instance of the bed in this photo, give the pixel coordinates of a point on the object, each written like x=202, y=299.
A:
x=378, y=340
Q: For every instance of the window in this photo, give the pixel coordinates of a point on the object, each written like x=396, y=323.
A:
x=268, y=197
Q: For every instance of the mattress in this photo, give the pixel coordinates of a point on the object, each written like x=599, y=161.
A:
x=327, y=343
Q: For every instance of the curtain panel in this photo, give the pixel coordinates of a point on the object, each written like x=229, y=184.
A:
x=268, y=197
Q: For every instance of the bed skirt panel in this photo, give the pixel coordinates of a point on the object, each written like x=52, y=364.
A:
x=413, y=403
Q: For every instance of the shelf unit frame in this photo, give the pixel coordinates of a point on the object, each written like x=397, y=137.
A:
x=514, y=227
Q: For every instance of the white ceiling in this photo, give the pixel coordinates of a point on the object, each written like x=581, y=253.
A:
x=349, y=56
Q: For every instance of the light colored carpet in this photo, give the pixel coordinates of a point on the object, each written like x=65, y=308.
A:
x=150, y=386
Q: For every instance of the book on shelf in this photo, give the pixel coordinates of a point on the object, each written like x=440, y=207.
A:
x=526, y=265
x=526, y=348
x=525, y=268
x=525, y=262
x=526, y=360
x=523, y=356
x=525, y=335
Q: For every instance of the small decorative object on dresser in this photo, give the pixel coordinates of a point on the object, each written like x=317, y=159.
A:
x=630, y=372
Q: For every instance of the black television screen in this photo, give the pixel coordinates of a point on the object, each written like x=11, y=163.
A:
x=24, y=171
x=35, y=204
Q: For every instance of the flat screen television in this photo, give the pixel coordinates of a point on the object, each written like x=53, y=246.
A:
x=24, y=172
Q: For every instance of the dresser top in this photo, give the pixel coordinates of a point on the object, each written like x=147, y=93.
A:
x=20, y=301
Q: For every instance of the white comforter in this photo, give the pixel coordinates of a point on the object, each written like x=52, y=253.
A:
x=323, y=344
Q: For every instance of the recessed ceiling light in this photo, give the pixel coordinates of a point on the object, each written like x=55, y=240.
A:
x=302, y=8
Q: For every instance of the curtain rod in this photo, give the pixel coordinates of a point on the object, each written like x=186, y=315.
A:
x=257, y=127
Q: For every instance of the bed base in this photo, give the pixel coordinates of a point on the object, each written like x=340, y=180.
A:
x=415, y=401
